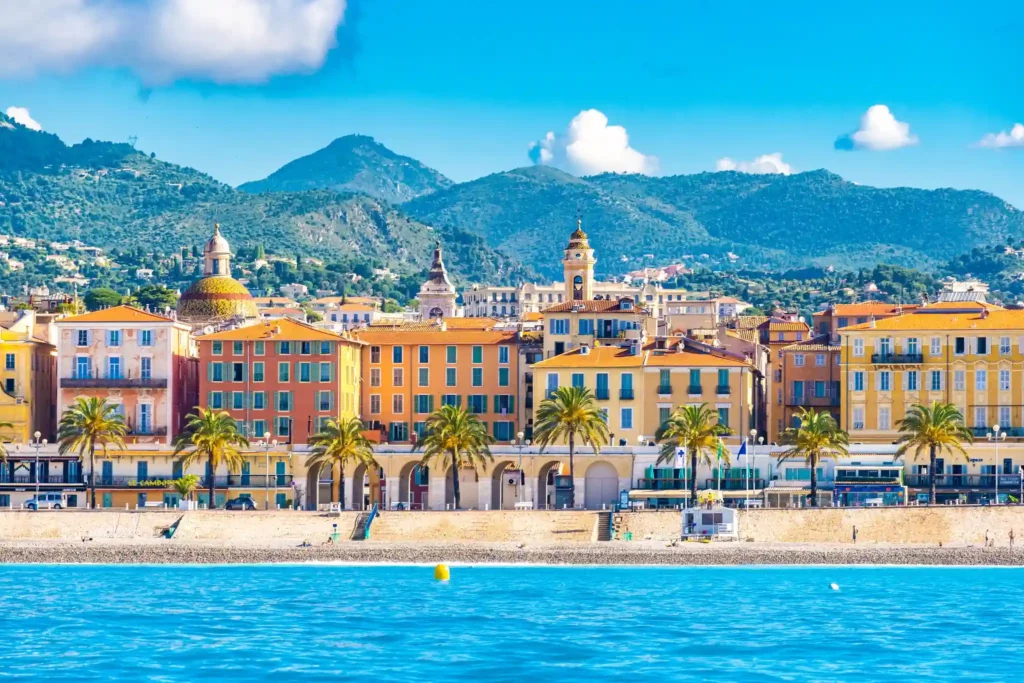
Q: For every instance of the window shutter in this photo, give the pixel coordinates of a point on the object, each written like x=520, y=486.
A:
x=483, y=404
x=209, y=371
x=430, y=403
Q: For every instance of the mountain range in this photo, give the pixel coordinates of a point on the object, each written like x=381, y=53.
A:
x=359, y=199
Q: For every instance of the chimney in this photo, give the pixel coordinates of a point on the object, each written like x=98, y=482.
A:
x=984, y=313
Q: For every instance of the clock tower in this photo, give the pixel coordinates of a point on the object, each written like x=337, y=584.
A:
x=578, y=266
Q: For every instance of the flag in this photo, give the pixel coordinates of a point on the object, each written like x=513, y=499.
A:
x=742, y=451
x=679, y=458
x=719, y=450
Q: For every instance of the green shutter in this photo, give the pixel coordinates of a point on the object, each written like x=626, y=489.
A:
x=209, y=372
x=430, y=403
x=483, y=407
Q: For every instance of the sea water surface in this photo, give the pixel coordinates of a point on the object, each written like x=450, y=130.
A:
x=395, y=623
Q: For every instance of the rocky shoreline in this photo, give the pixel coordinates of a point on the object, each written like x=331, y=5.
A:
x=467, y=553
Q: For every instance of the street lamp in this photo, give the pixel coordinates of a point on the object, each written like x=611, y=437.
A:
x=519, y=444
x=37, y=444
x=746, y=470
x=996, y=436
x=267, y=443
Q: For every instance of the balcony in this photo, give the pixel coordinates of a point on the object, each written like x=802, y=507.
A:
x=1010, y=432
x=723, y=390
x=94, y=380
x=964, y=481
x=897, y=358
x=601, y=394
x=663, y=484
x=146, y=431
x=812, y=400
x=22, y=480
x=626, y=394
x=664, y=390
x=694, y=390
x=735, y=483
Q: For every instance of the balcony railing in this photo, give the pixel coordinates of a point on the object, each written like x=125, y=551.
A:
x=84, y=380
x=663, y=484
x=626, y=394
x=1010, y=432
x=601, y=394
x=664, y=390
x=680, y=484
x=723, y=390
x=970, y=481
x=146, y=431
x=694, y=390
x=164, y=480
x=23, y=479
x=897, y=358
x=735, y=483
x=812, y=401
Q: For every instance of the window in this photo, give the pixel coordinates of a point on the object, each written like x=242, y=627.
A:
x=885, y=380
x=423, y=403
x=843, y=322
x=476, y=403
x=451, y=400
x=374, y=377
x=423, y=376
x=215, y=399
x=374, y=354
x=284, y=401
x=325, y=371
x=884, y=418
x=980, y=417
x=450, y=377
x=217, y=348
x=577, y=380
x=936, y=346
x=325, y=348
x=238, y=400
x=145, y=337
x=305, y=372
x=237, y=348
x=504, y=404
x=259, y=402
x=885, y=346
x=83, y=337
x=325, y=400
x=452, y=355
x=284, y=371
x=257, y=371
x=146, y=367
x=114, y=367
x=552, y=383
x=586, y=326
x=858, y=347
x=982, y=346
x=503, y=354
x=259, y=427
x=820, y=389
x=819, y=360
x=114, y=338
x=798, y=360
x=305, y=348
x=284, y=348
x=282, y=426
x=424, y=354
x=980, y=380
x=559, y=326
x=858, y=417
x=912, y=346
x=602, y=386
x=478, y=377
x=503, y=430
x=396, y=354
x=912, y=380
x=375, y=404
x=959, y=380
x=959, y=346
x=259, y=348
x=9, y=361
x=1004, y=417
x=1004, y=381
x=858, y=380
x=238, y=372
x=936, y=380
x=1004, y=346
x=503, y=377
x=723, y=417
x=626, y=418
x=397, y=377
x=398, y=403
x=478, y=355
x=216, y=371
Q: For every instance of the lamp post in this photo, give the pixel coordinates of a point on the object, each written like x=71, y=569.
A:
x=746, y=470
x=519, y=444
x=267, y=443
x=996, y=436
x=37, y=444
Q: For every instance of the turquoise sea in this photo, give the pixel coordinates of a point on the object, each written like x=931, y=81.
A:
x=316, y=622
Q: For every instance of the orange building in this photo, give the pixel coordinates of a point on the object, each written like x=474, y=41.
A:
x=838, y=316
x=411, y=370
x=283, y=377
x=777, y=332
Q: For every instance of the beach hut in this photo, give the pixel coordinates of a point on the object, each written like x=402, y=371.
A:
x=714, y=522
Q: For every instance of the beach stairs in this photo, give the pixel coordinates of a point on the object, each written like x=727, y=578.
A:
x=361, y=528
x=604, y=526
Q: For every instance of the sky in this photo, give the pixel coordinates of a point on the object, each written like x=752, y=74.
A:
x=883, y=93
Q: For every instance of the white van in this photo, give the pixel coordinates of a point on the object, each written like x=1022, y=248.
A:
x=47, y=501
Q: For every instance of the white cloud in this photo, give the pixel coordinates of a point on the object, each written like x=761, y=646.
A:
x=224, y=41
x=21, y=115
x=879, y=130
x=590, y=146
x=766, y=163
x=1015, y=138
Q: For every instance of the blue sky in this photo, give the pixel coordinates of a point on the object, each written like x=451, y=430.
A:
x=466, y=87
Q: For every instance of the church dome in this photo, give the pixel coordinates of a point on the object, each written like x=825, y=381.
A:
x=215, y=298
x=217, y=244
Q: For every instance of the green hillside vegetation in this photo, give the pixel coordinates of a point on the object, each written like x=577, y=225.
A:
x=355, y=163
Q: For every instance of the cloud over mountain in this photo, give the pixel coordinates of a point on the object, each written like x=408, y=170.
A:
x=1014, y=138
x=226, y=41
x=590, y=146
x=766, y=163
x=879, y=131
x=21, y=115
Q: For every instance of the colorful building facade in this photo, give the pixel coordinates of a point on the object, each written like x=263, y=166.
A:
x=27, y=380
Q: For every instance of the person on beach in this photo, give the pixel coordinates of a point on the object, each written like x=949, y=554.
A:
x=1011, y=538
x=854, y=533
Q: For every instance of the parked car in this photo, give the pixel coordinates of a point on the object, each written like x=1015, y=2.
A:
x=47, y=501
x=240, y=504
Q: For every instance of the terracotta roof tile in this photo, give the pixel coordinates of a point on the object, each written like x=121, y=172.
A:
x=931, y=318
x=284, y=329
x=596, y=306
x=117, y=314
x=375, y=335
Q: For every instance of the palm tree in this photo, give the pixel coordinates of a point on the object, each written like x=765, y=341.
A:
x=341, y=442
x=569, y=413
x=86, y=424
x=937, y=428
x=4, y=440
x=695, y=429
x=817, y=437
x=213, y=435
x=455, y=439
x=186, y=485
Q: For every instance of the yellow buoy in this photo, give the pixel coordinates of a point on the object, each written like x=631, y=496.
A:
x=441, y=572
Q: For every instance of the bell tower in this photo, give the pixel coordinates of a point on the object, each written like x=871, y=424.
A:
x=578, y=266
x=217, y=255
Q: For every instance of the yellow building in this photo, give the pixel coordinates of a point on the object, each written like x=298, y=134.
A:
x=27, y=399
x=970, y=354
x=638, y=385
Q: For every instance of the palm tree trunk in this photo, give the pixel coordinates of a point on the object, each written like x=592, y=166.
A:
x=813, y=498
x=455, y=479
x=572, y=470
x=212, y=503
x=693, y=477
x=931, y=474
x=92, y=475
x=341, y=484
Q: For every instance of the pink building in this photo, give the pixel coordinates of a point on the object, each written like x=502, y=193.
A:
x=144, y=363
